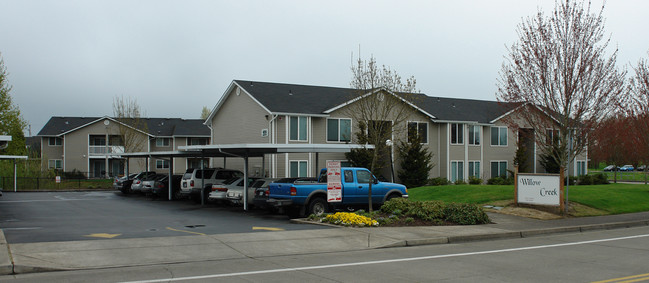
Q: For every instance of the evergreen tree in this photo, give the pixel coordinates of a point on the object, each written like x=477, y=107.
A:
x=11, y=123
x=415, y=162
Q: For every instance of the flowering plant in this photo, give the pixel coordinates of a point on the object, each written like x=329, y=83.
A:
x=350, y=219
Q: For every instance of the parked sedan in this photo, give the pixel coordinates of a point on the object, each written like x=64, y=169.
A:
x=160, y=187
x=138, y=182
x=641, y=168
x=125, y=183
x=235, y=191
x=219, y=191
x=611, y=168
x=149, y=183
x=627, y=168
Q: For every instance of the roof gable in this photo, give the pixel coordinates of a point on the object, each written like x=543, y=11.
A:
x=166, y=127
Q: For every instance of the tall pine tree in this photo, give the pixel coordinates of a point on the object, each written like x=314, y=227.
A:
x=415, y=162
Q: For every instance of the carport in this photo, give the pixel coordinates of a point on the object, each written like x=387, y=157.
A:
x=244, y=151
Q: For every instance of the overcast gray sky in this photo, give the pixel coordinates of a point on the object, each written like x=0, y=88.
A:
x=71, y=58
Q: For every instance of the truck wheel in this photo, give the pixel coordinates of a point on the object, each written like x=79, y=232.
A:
x=318, y=206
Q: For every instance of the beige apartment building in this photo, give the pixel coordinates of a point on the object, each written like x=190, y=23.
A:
x=91, y=145
x=467, y=137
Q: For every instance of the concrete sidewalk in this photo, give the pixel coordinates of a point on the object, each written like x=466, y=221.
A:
x=51, y=256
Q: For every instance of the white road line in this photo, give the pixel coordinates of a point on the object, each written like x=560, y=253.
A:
x=383, y=261
x=46, y=200
x=24, y=228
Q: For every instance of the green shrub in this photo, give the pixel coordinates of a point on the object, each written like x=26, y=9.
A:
x=585, y=180
x=473, y=180
x=439, y=181
x=465, y=214
x=460, y=182
x=396, y=204
x=409, y=220
x=496, y=181
x=426, y=210
x=600, y=179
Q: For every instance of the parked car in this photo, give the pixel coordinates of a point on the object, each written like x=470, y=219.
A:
x=627, y=168
x=641, y=168
x=611, y=168
x=219, y=191
x=136, y=187
x=149, y=183
x=235, y=191
x=195, y=180
x=161, y=187
x=124, y=183
x=262, y=191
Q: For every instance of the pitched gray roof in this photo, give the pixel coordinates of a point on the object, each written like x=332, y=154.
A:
x=164, y=127
x=314, y=100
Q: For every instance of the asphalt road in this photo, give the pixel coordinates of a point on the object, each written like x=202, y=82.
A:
x=31, y=217
x=619, y=255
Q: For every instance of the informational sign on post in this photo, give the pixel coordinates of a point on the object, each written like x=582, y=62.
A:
x=58, y=179
x=538, y=189
x=334, y=182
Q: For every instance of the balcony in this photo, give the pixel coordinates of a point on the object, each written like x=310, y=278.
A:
x=102, y=150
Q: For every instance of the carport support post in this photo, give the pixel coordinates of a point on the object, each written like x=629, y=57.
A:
x=202, y=180
x=15, y=177
x=171, y=174
x=245, y=183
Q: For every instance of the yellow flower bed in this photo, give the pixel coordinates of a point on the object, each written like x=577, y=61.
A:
x=349, y=219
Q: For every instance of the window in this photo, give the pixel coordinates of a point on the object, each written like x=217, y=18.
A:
x=298, y=169
x=551, y=136
x=55, y=141
x=162, y=164
x=498, y=169
x=474, y=169
x=196, y=163
x=162, y=142
x=581, y=168
x=55, y=164
x=418, y=130
x=339, y=130
x=197, y=141
x=457, y=171
x=457, y=133
x=499, y=136
x=349, y=176
x=474, y=135
x=363, y=177
x=297, y=128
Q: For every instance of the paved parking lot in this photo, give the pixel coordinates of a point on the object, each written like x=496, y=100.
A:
x=31, y=217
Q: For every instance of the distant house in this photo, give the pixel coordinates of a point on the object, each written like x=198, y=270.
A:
x=467, y=137
x=89, y=144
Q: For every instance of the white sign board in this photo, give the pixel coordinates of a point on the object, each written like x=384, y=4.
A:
x=539, y=189
x=334, y=182
x=58, y=179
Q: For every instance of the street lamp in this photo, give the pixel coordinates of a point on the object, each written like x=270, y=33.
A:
x=388, y=142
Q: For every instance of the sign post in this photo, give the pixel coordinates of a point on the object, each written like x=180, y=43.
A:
x=334, y=182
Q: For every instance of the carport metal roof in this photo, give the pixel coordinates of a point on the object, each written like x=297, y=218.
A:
x=245, y=151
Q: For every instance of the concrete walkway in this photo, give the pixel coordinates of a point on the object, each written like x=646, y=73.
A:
x=76, y=255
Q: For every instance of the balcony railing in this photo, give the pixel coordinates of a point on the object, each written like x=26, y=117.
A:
x=104, y=150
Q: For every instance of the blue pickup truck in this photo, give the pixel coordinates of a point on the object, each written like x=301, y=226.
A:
x=304, y=198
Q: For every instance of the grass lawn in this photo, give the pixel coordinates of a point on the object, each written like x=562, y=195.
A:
x=612, y=198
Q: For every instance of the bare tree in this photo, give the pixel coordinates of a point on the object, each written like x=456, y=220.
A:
x=132, y=127
x=380, y=105
x=638, y=108
x=560, y=73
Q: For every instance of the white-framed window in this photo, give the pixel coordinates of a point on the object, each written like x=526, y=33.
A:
x=196, y=163
x=581, y=167
x=457, y=170
x=498, y=169
x=298, y=128
x=298, y=168
x=474, y=135
x=55, y=141
x=419, y=130
x=339, y=130
x=162, y=142
x=457, y=133
x=499, y=136
x=474, y=169
x=162, y=164
x=197, y=141
x=55, y=164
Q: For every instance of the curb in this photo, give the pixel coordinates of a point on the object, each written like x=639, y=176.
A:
x=6, y=262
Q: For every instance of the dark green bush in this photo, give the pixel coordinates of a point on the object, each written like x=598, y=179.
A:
x=600, y=179
x=438, y=181
x=460, y=182
x=473, y=180
x=585, y=180
x=465, y=214
x=400, y=204
x=500, y=181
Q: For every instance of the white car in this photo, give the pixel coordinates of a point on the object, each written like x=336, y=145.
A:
x=235, y=191
x=219, y=191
